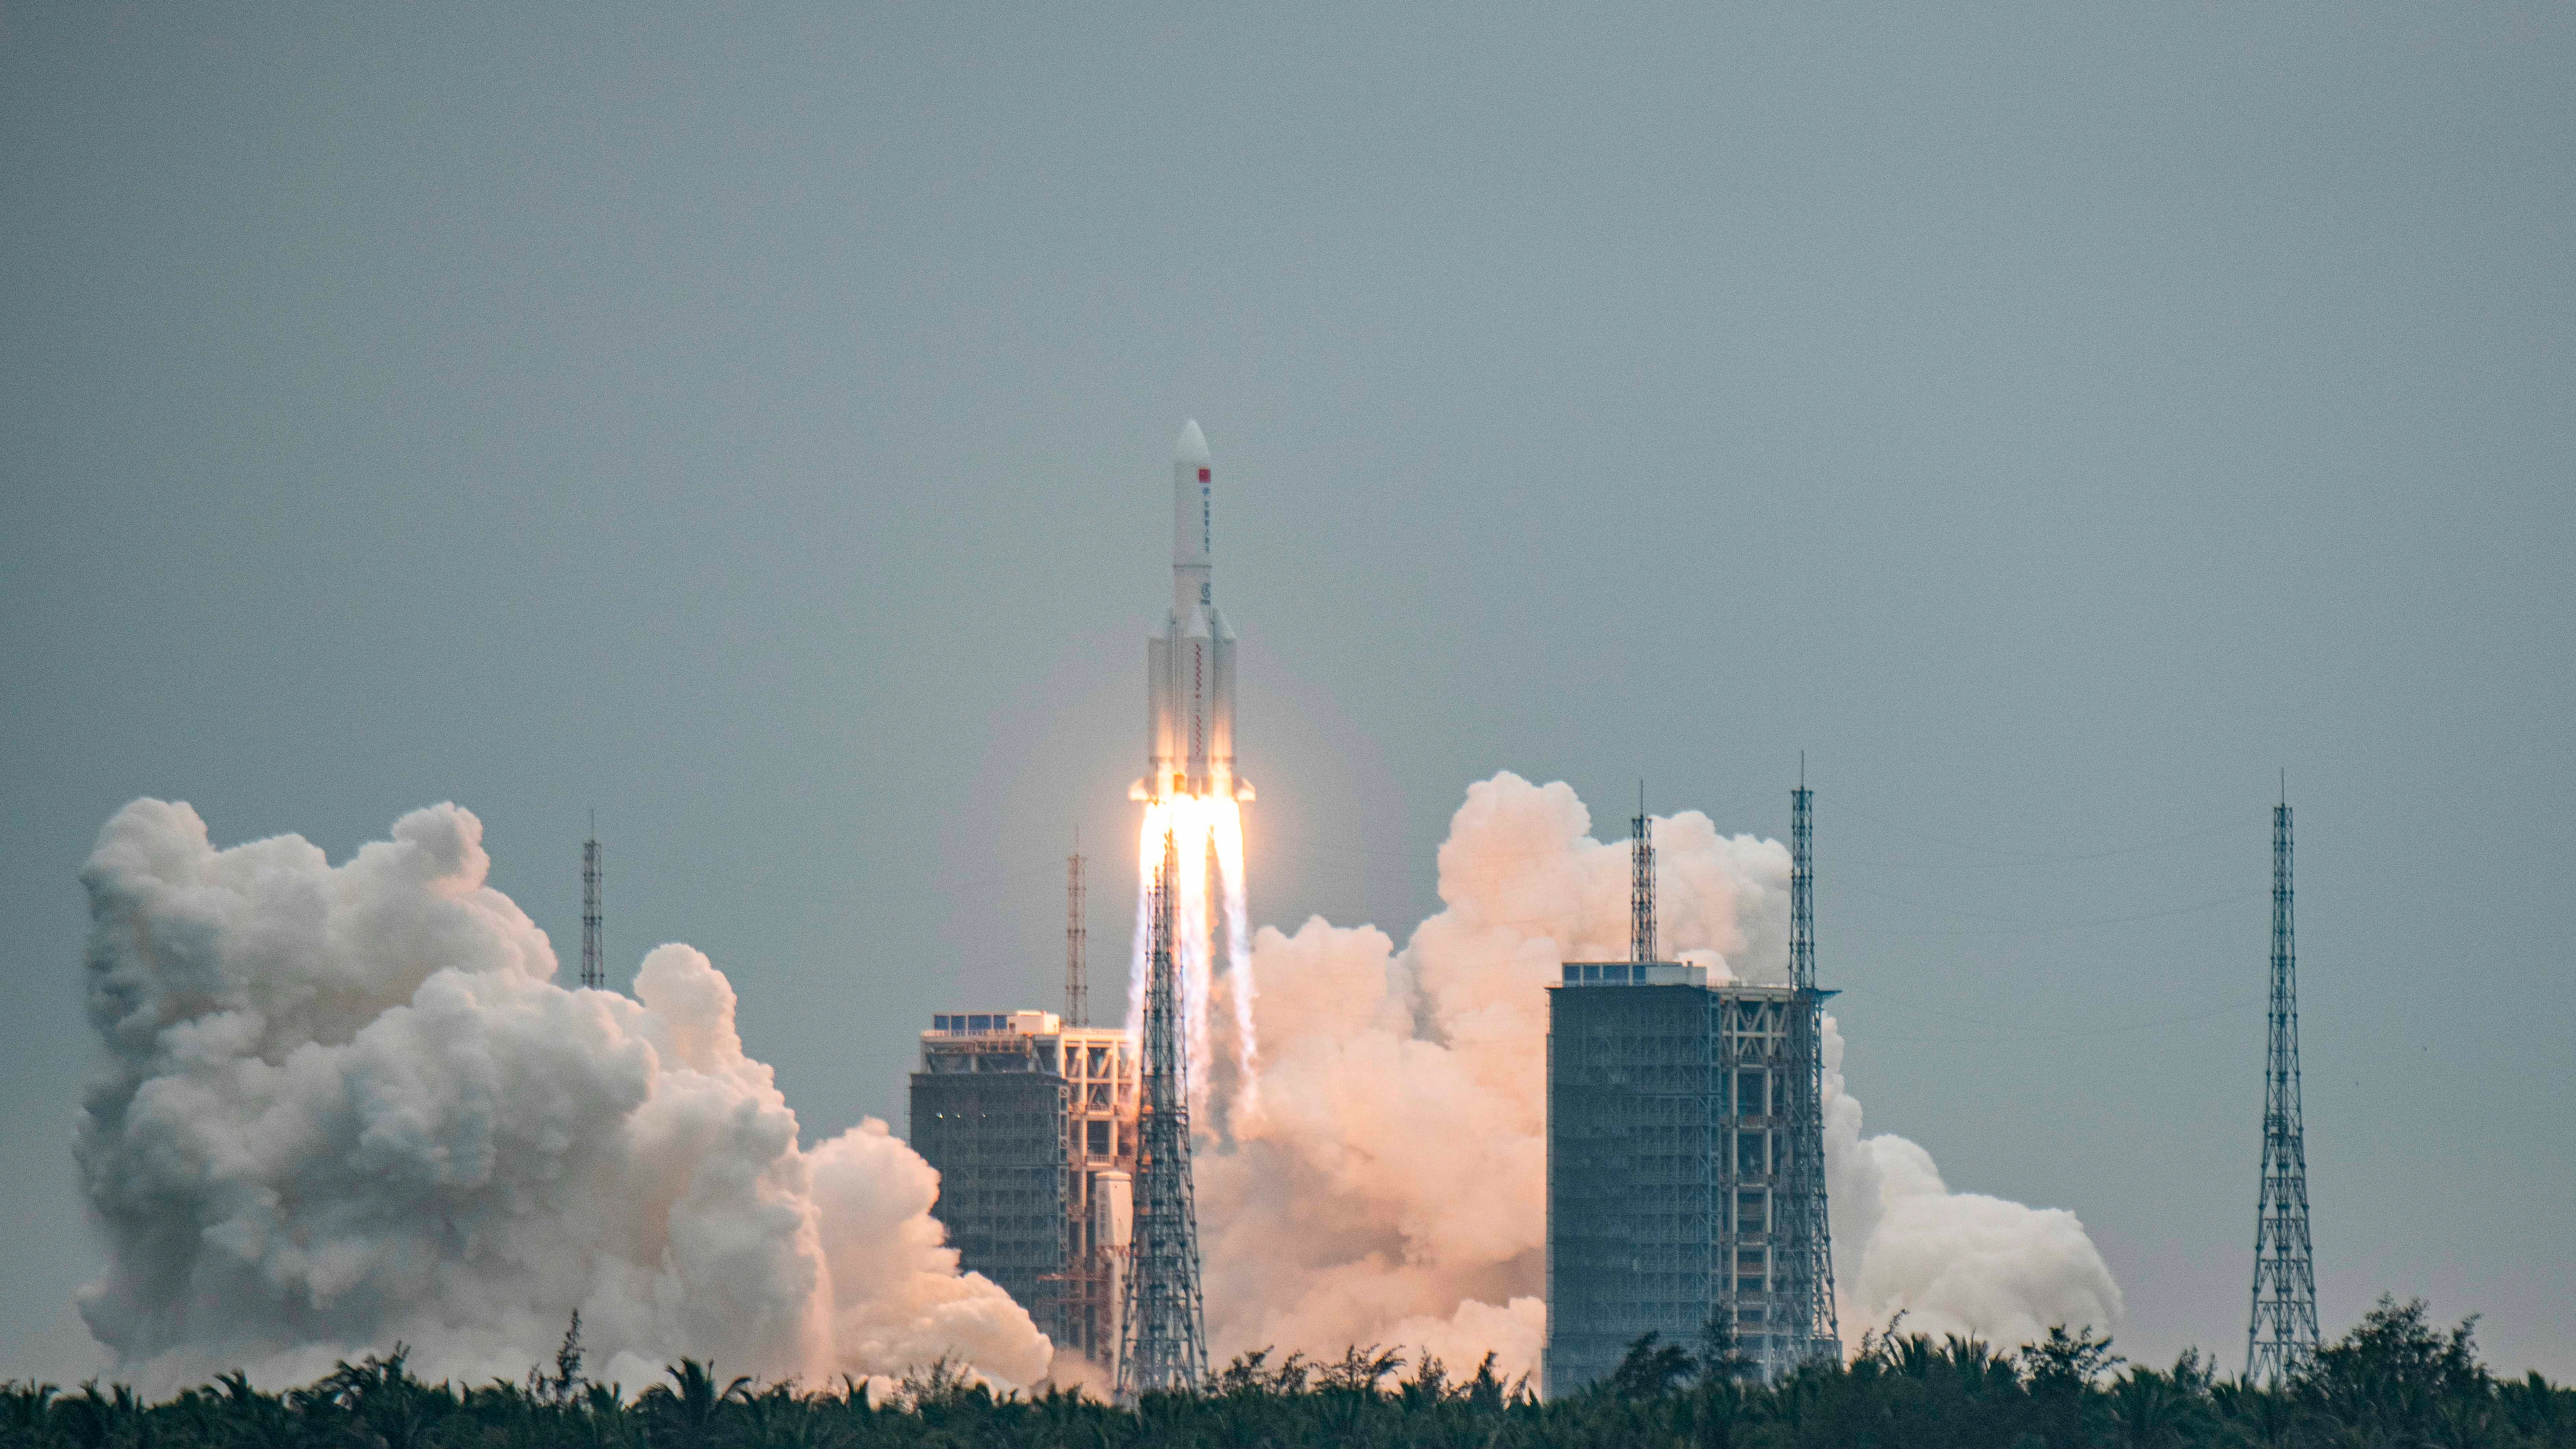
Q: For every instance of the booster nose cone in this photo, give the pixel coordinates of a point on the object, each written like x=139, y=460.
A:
x=1192, y=445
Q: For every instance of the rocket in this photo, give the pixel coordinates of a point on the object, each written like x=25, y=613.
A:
x=1189, y=667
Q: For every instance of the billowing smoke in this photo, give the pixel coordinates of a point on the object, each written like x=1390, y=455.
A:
x=1952, y=1262
x=1389, y=1187
x=346, y=1106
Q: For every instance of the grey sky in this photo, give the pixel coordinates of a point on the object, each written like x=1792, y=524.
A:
x=754, y=423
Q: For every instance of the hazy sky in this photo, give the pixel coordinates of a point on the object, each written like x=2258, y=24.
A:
x=754, y=424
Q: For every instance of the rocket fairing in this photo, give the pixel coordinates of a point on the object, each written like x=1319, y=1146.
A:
x=1189, y=667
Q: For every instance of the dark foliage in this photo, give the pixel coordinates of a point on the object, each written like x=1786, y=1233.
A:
x=2393, y=1381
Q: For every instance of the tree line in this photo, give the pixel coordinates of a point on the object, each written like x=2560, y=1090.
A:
x=2396, y=1381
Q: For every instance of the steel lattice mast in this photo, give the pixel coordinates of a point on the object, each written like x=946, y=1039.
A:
x=1077, y=983
x=1810, y=1239
x=594, y=965
x=1641, y=885
x=2283, y=1334
x=1164, y=1327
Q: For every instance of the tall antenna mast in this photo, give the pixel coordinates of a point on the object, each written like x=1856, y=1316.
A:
x=1810, y=1245
x=1077, y=986
x=1802, y=882
x=1164, y=1326
x=594, y=965
x=2283, y=1335
x=1641, y=884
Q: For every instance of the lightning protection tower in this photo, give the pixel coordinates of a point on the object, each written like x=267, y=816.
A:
x=594, y=966
x=1641, y=885
x=1807, y=1237
x=2283, y=1335
x=1077, y=983
x=1164, y=1348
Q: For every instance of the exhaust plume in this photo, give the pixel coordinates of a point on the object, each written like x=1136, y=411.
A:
x=1389, y=1184
x=347, y=1105
x=1207, y=830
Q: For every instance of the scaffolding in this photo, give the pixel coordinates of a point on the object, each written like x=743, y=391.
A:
x=1032, y=1125
x=1633, y=1121
x=989, y=1113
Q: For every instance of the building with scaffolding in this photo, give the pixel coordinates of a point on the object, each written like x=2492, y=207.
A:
x=1032, y=1126
x=1685, y=1156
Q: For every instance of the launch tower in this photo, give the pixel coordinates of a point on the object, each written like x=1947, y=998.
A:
x=1164, y=1325
x=2283, y=1335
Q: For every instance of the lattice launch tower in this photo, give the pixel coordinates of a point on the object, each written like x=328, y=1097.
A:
x=1164, y=1322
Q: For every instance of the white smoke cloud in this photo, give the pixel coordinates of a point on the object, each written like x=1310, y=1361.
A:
x=1389, y=1186
x=348, y=1105
x=1952, y=1262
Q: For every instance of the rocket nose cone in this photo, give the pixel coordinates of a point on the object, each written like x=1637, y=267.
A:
x=1192, y=446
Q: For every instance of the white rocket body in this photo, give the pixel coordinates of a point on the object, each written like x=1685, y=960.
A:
x=1189, y=667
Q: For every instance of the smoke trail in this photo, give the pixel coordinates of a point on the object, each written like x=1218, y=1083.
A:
x=1391, y=1186
x=1190, y=921
x=1238, y=952
x=342, y=1106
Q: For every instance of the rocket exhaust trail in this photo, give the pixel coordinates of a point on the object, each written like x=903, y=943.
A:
x=1228, y=833
x=1190, y=788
